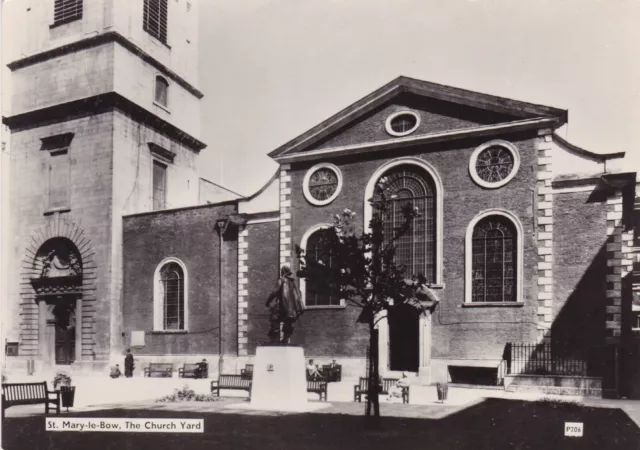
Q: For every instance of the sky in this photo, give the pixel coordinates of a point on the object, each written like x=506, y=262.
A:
x=271, y=69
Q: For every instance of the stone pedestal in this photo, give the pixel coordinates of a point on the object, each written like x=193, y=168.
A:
x=279, y=379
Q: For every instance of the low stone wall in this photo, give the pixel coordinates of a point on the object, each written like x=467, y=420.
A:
x=557, y=385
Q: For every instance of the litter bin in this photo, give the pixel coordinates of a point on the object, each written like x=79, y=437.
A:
x=31, y=366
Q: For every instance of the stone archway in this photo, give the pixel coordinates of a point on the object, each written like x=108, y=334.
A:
x=58, y=290
x=58, y=295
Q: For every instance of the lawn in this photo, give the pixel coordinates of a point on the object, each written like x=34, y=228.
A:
x=492, y=424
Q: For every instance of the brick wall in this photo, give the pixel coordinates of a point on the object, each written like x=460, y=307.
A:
x=261, y=276
x=191, y=236
x=579, y=268
x=435, y=116
x=458, y=332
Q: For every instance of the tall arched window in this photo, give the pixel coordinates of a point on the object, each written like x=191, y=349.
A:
x=494, y=260
x=416, y=249
x=319, y=292
x=162, y=90
x=170, y=306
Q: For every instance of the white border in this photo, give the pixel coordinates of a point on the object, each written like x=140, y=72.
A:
x=468, y=256
x=368, y=193
x=387, y=124
x=474, y=157
x=303, y=284
x=307, y=177
x=158, y=300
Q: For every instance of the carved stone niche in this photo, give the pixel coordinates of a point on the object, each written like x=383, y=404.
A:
x=57, y=268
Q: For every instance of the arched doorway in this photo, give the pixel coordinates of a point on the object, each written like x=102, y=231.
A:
x=404, y=338
x=58, y=293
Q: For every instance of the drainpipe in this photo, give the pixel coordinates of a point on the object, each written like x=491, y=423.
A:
x=222, y=226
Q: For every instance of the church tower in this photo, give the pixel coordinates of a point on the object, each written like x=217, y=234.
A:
x=104, y=117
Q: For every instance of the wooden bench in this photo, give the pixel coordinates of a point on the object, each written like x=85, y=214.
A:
x=362, y=388
x=161, y=369
x=319, y=387
x=247, y=372
x=230, y=382
x=29, y=394
x=332, y=373
x=189, y=371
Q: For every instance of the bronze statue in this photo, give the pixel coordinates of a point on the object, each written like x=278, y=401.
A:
x=287, y=307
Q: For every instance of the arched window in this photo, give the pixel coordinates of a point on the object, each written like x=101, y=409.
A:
x=319, y=292
x=162, y=90
x=170, y=306
x=494, y=260
x=408, y=185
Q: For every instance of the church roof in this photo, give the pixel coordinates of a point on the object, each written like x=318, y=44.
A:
x=525, y=115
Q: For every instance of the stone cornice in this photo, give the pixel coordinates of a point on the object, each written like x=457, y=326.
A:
x=97, y=104
x=100, y=39
x=367, y=147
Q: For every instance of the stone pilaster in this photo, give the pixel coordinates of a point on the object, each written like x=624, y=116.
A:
x=285, y=215
x=243, y=290
x=619, y=264
x=544, y=220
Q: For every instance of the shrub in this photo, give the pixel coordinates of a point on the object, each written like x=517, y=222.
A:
x=187, y=395
x=61, y=379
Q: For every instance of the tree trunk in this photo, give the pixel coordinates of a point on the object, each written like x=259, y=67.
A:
x=373, y=399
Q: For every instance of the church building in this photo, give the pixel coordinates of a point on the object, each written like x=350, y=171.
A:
x=526, y=239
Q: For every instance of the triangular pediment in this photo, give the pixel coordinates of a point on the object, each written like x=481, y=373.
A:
x=441, y=112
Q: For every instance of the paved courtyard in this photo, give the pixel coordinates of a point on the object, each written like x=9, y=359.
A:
x=487, y=424
x=103, y=393
x=470, y=418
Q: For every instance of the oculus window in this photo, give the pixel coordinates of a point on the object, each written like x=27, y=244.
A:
x=322, y=184
x=402, y=123
x=494, y=164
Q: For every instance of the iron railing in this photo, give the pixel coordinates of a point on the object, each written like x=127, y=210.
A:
x=545, y=359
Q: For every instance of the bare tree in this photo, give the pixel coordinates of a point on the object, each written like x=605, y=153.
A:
x=362, y=270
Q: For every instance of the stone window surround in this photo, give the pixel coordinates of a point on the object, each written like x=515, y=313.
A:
x=158, y=300
x=468, y=257
x=387, y=124
x=493, y=143
x=307, y=178
x=303, y=284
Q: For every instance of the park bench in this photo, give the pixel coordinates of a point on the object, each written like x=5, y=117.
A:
x=247, y=372
x=29, y=394
x=189, y=371
x=319, y=387
x=235, y=382
x=160, y=369
x=362, y=388
x=332, y=373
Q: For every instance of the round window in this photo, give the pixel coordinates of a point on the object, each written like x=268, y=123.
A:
x=322, y=184
x=402, y=123
x=494, y=164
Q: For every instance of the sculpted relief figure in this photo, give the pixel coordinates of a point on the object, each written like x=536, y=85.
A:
x=55, y=265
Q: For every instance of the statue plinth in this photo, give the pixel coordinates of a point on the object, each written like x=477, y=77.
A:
x=279, y=379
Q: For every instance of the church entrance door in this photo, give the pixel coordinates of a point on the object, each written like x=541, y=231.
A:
x=404, y=338
x=65, y=332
